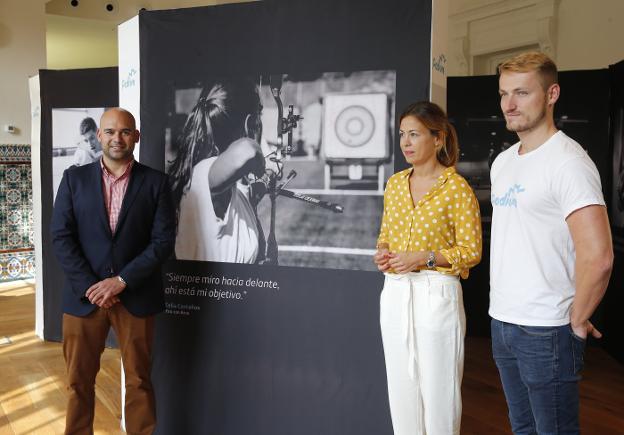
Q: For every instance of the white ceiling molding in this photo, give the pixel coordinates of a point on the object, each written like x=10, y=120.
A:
x=547, y=26
x=482, y=28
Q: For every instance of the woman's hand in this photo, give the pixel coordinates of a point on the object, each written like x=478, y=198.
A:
x=381, y=259
x=404, y=262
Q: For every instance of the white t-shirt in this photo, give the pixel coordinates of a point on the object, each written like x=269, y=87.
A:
x=204, y=236
x=532, y=252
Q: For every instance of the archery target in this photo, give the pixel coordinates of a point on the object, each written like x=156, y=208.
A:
x=355, y=126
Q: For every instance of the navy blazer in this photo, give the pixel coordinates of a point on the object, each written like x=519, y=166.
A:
x=89, y=252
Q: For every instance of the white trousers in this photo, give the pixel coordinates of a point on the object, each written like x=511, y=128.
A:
x=423, y=326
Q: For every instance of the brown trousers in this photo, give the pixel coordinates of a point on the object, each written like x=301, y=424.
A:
x=83, y=343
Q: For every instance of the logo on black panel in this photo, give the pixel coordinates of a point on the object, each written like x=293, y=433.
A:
x=130, y=81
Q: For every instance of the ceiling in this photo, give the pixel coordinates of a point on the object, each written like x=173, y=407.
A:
x=119, y=11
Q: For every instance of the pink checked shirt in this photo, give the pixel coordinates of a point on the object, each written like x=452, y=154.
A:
x=114, y=192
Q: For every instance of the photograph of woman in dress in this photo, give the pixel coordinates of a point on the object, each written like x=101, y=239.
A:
x=218, y=149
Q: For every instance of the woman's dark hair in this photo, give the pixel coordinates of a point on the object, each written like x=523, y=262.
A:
x=215, y=122
x=433, y=117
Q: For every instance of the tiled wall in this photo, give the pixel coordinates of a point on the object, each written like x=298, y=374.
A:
x=17, y=255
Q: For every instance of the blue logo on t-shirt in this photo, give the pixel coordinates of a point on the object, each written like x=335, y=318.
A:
x=509, y=198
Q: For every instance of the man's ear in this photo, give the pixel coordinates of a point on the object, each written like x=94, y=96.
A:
x=553, y=93
x=98, y=134
x=137, y=135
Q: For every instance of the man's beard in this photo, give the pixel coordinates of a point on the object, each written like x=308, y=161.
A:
x=530, y=124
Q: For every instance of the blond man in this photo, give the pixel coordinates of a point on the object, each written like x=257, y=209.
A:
x=551, y=253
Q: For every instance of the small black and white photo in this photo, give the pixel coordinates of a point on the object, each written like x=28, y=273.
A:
x=74, y=139
x=281, y=169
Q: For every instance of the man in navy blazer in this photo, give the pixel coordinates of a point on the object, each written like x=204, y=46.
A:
x=112, y=227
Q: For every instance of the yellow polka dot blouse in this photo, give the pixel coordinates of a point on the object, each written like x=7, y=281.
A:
x=445, y=220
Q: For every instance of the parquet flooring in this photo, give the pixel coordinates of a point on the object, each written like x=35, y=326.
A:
x=32, y=373
x=485, y=410
x=32, y=376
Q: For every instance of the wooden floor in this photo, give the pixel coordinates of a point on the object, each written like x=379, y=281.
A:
x=32, y=391
x=32, y=373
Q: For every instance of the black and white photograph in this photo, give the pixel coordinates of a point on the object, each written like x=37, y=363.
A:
x=74, y=139
x=281, y=169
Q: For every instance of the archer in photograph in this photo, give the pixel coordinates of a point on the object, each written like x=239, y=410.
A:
x=217, y=151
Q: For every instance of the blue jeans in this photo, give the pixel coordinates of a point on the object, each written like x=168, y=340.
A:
x=539, y=367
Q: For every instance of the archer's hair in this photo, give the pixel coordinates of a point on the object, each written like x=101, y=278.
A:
x=87, y=125
x=217, y=120
x=433, y=117
x=532, y=61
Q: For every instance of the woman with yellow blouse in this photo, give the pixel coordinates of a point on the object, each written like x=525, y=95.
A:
x=430, y=236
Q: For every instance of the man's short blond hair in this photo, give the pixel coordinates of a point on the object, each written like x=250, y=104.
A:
x=532, y=61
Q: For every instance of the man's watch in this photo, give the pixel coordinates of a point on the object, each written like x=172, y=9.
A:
x=431, y=260
x=121, y=280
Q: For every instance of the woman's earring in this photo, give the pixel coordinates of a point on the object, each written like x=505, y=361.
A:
x=246, y=125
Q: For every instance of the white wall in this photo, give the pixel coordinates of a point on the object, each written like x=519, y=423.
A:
x=577, y=34
x=22, y=54
x=86, y=36
x=439, y=53
x=80, y=43
x=122, y=9
x=590, y=34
